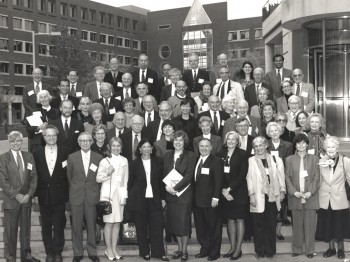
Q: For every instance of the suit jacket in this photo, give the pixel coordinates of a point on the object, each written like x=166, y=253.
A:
x=161, y=81
x=185, y=165
x=282, y=104
x=250, y=94
x=117, y=83
x=10, y=181
x=287, y=135
x=223, y=117
x=165, y=94
x=234, y=89
x=312, y=181
x=119, y=95
x=255, y=126
x=215, y=142
x=114, y=105
x=271, y=80
x=307, y=95
x=76, y=127
x=236, y=177
x=145, y=115
x=83, y=186
x=249, y=150
x=208, y=186
x=52, y=189
x=110, y=133
x=332, y=191
x=151, y=130
x=56, y=102
x=137, y=184
x=160, y=148
x=91, y=91
x=195, y=85
x=285, y=149
x=151, y=80
x=127, y=140
x=30, y=99
x=78, y=88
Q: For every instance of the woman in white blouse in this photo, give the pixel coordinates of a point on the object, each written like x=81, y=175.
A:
x=113, y=173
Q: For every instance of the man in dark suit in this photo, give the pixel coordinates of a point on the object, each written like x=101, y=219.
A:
x=114, y=76
x=132, y=138
x=169, y=90
x=92, y=89
x=150, y=114
x=208, y=176
x=141, y=90
x=279, y=74
x=84, y=194
x=68, y=127
x=110, y=103
x=119, y=121
x=18, y=181
x=251, y=91
x=217, y=116
x=31, y=91
x=63, y=95
x=195, y=76
x=126, y=90
x=148, y=75
x=52, y=192
x=76, y=89
x=165, y=78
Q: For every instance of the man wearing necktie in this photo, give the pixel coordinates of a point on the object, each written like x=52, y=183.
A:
x=294, y=103
x=18, y=181
x=169, y=90
x=75, y=88
x=114, y=76
x=141, y=90
x=165, y=78
x=119, y=122
x=150, y=114
x=92, y=89
x=208, y=178
x=227, y=86
x=64, y=95
x=305, y=91
x=127, y=90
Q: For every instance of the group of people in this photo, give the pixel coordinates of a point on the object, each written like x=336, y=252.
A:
x=240, y=152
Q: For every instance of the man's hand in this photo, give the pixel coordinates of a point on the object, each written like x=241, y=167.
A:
x=253, y=200
x=19, y=197
x=214, y=203
x=225, y=192
x=307, y=195
x=298, y=194
x=282, y=196
x=25, y=199
x=229, y=197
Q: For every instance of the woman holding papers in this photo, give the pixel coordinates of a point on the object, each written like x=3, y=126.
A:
x=179, y=167
x=235, y=201
x=145, y=201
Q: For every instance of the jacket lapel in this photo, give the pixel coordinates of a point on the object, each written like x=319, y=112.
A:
x=14, y=166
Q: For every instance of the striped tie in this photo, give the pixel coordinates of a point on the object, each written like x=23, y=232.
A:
x=20, y=167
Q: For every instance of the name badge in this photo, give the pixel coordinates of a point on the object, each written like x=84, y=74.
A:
x=64, y=163
x=200, y=80
x=79, y=94
x=31, y=92
x=222, y=122
x=303, y=173
x=112, y=111
x=218, y=80
x=93, y=167
x=150, y=80
x=226, y=169
x=286, y=79
x=311, y=151
x=253, y=152
x=120, y=84
x=118, y=97
x=37, y=113
x=29, y=166
x=205, y=171
x=267, y=171
x=274, y=153
x=257, y=130
x=76, y=131
x=304, y=94
x=250, y=130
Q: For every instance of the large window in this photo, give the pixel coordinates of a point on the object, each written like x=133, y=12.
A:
x=84, y=13
x=4, y=67
x=238, y=35
x=22, y=24
x=3, y=21
x=258, y=33
x=4, y=44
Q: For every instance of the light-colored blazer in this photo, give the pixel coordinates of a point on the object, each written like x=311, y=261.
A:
x=307, y=95
x=236, y=90
x=91, y=91
x=119, y=177
x=254, y=111
x=333, y=191
x=254, y=182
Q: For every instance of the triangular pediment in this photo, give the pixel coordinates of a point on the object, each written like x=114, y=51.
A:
x=197, y=15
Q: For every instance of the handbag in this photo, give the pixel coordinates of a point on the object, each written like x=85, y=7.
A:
x=104, y=207
x=127, y=234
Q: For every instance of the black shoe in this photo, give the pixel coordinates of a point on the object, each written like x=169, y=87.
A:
x=310, y=255
x=94, y=258
x=177, y=255
x=330, y=252
x=280, y=237
x=237, y=257
x=295, y=254
x=341, y=254
x=147, y=257
x=228, y=255
x=184, y=257
x=58, y=258
x=77, y=259
x=164, y=258
x=200, y=255
x=286, y=222
x=212, y=258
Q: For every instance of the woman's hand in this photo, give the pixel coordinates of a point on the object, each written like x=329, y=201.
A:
x=41, y=127
x=229, y=197
x=225, y=192
x=163, y=204
x=282, y=196
x=110, y=170
x=123, y=201
x=170, y=190
x=253, y=200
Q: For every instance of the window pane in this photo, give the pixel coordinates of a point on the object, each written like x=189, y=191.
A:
x=4, y=67
x=111, y=40
x=42, y=28
x=29, y=47
x=29, y=69
x=28, y=25
x=3, y=21
x=19, y=69
x=84, y=35
x=42, y=49
x=92, y=37
x=4, y=44
x=18, y=46
x=17, y=23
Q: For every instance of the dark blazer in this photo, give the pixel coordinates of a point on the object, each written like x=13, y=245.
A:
x=117, y=83
x=185, y=165
x=51, y=189
x=193, y=84
x=223, y=116
x=78, y=88
x=190, y=127
x=120, y=94
x=161, y=82
x=288, y=135
x=271, y=80
x=207, y=187
x=29, y=98
x=137, y=184
x=255, y=125
x=285, y=149
x=249, y=146
x=47, y=116
x=91, y=91
x=165, y=94
x=81, y=186
x=250, y=94
x=236, y=178
x=76, y=127
x=111, y=133
x=145, y=115
x=113, y=104
x=127, y=140
x=56, y=102
x=151, y=80
x=10, y=181
x=215, y=142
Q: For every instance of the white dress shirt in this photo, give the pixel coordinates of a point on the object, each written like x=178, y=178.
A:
x=159, y=133
x=199, y=160
x=147, y=166
x=217, y=116
x=86, y=160
x=208, y=136
x=51, y=157
x=98, y=84
x=146, y=117
x=195, y=70
x=63, y=119
x=14, y=153
x=173, y=89
x=126, y=90
x=145, y=74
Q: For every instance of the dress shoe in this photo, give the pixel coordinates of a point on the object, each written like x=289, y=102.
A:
x=310, y=255
x=330, y=252
x=200, y=255
x=108, y=257
x=212, y=258
x=228, y=255
x=237, y=257
x=77, y=259
x=164, y=258
x=341, y=254
x=94, y=258
x=280, y=237
x=147, y=257
x=58, y=258
x=177, y=255
x=184, y=257
x=295, y=254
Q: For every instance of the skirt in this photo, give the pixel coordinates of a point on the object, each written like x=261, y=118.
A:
x=333, y=224
x=231, y=210
x=179, y=218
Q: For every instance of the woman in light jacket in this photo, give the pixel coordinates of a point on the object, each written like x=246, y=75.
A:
x=113, y=173
x=302, y=179
x=266, y=188
x=333, y=220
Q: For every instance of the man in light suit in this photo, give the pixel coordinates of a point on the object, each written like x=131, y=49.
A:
x=304, y=90
x=227, y=87
x=84, y=194
x=18, y=181
x=119, y=121
x=31, y=91
x=92, y=89
x=52, y=192
x=208, y=178
x=169, y=90
x=114, y=76
x=275, y=77
x=76, y=89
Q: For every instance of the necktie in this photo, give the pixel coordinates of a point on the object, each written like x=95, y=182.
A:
x=194, y=75
x=222, y=94
x=136, y=142
x=127, y=93
x=37, y=88
x=199, y=169
x=256, y=92
x=298, y=90
x=216, y=125
x=106, y=106
x=143, y=76
x=279, y=77
x=120, y=132
x=66, y=129
x=72, y=90
x=20, y=167
x=64, y=97
x=114, y=77
x=149, y=118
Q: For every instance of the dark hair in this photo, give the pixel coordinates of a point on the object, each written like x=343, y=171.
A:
x=241, y=74
x=63, y=80
x=183, y=134
x=268, y=103
x=128, y=100
x=141, y=143
x=297, y=120
x=299, y=138
x=142, y=82
x=168, y=122
x=241, y=119
x=277, y=55
x=73, y=69
x=206, y=83
x=186, y=101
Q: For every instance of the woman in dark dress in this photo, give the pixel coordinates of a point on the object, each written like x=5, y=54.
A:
x=268, y=109
x=165, y=144
x=82, y=114
x=235, y=202
x=99, y=136
x=180, y=207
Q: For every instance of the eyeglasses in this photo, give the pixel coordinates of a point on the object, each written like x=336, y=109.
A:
x=50, y=136
x=84, y=141
x=281, y=120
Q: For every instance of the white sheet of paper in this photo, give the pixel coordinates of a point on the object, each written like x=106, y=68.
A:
x=172, y=179
x=37, y=113
x=34, y=120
